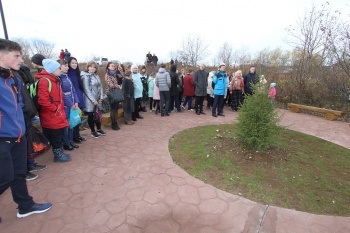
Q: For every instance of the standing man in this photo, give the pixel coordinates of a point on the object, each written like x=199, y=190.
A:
x=66, y=54
x=148, y=58
x=13, y=145
x=154, y=60
x=220, y=82
x=201, y=83
x=163, y=82
x=249, y=79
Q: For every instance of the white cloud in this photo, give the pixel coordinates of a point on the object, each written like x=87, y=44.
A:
x=127, y=30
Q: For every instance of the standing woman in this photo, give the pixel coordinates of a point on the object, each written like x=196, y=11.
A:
x=112, y=84
x=74, y=75
x=70, y=102
x=188, y=90
x=136, y=77
x=93, y=96
x=150, y=85
x=128, y=103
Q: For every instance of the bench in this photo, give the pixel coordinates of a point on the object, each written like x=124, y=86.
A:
x=329, y=114
x=106, y=118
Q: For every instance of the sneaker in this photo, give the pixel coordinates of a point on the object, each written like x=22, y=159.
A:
x=31, y=176
x=183, y=107
x=151, y=110
x=35, y=209
x=36, y=167
x=101, y=132
x=95, y=135
x=190, y=110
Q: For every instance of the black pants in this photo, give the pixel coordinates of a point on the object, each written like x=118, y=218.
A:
x=164, y=101
x=156, y=105
x=218, y=104
x=55, y=137
x=150, y=103
x=180, y=97
x=210, y=101
x=13, y=170
x=237, y=99
x=137, y=107
x=199, y=103
x=92, y=123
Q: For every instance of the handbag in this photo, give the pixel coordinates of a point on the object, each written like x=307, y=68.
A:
x=37, y=143
x=115, y=95
x=74, y=118
x=97, y=117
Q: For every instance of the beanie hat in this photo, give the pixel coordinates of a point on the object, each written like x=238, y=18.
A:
x=50, y=65
x=273, y=84
x=38, y=59
x=222, y=64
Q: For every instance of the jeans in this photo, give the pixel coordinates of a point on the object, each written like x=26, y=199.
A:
x=164, y=101
x=218, y=104
x=76, y=134
x=67, y=136
x=137, y=109
x=13, y=170
x=188, y=100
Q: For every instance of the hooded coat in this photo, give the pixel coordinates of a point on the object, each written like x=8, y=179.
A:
x=128, y=92
x=174, y=81
x=52, y=114
x=201, y=82
x=163, y=80
x=93, y=90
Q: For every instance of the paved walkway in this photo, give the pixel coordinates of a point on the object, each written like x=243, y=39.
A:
x=126, y=182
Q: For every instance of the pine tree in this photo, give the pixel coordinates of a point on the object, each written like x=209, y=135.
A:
x=257, y=127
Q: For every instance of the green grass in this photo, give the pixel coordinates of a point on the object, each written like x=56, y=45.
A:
x=302, y=172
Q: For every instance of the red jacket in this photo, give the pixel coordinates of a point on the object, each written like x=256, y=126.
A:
x=62, y=55
x=52, y=115
x=188, y=85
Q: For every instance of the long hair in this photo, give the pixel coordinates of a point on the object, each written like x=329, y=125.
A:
x=77, y=70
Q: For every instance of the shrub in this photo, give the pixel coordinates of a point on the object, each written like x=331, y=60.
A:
x=257, y=127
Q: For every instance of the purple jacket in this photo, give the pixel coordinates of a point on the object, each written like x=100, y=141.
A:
x=72, y=74
x=70, y=95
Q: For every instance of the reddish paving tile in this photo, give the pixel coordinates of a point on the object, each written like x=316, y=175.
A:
x=126, y=182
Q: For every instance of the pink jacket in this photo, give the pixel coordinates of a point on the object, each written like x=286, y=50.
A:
x=272, y=93
x=156, y=95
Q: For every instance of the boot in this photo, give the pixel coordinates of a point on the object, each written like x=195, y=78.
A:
x=115, y=126
x=60, y=156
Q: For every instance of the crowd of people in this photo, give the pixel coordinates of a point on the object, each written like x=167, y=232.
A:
x=63, y=87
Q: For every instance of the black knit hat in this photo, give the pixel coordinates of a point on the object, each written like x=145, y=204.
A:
x=38, y=59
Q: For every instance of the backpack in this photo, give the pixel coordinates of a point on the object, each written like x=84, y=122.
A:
x=29, y=109
x=33, y=91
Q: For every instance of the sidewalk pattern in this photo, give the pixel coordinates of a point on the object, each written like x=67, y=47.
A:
x=126, y=182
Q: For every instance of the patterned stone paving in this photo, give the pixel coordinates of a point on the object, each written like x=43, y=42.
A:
x=126, y=182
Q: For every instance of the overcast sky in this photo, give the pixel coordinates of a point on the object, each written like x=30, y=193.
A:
x=127, y=29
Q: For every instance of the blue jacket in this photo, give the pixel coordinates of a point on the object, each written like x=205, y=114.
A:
x=220, y=81
x=70, y=95
x=138, y=85
x=72, y=74
x=12, y=126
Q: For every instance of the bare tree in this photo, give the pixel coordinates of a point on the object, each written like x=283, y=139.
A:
x=194, y=49
x=225, y=54
x=42, y=47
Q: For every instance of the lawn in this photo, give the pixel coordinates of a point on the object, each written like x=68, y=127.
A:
x=302, y=172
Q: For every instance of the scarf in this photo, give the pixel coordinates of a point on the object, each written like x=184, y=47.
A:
x=235, y=83
x=112, y=73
